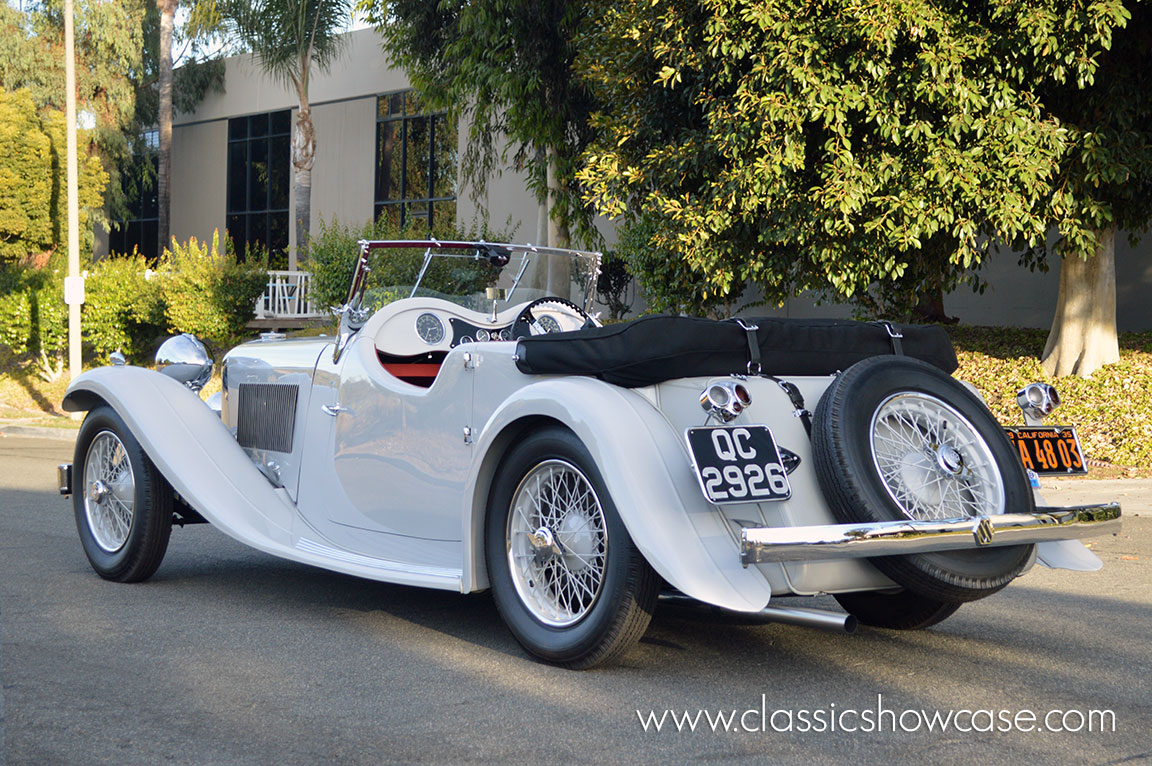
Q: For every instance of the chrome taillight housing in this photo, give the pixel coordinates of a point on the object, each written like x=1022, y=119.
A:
x=725, y=399
x=1037, y=400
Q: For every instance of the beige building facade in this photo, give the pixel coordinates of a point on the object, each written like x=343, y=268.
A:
x=351, y=102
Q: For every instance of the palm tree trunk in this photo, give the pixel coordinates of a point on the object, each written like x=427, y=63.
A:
x=164, y=164
x=303, y=156
x=1083, y=337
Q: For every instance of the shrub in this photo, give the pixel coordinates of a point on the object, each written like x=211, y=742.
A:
x=207, y=293
x=123, y=309
x=331, y=258
x=33, y=316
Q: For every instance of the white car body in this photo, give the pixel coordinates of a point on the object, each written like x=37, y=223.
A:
x=383, y=479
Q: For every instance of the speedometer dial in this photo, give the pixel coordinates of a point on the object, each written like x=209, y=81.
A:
x=430, y=328
x=548, y=324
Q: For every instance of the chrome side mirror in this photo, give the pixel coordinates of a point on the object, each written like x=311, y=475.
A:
x=184, y=358
x=1037, y=400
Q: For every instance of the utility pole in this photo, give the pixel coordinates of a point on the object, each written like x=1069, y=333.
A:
x=73, y=283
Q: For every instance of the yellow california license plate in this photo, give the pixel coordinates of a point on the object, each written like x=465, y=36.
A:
x=1048, y=449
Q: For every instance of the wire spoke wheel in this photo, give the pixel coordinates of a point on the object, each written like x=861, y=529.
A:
x=567, y=578
x=932, y=461
x=109, y=491
x=122, y=504
x=557, y=543
x=893, y=439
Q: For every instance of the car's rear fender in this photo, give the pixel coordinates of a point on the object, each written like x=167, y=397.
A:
x=646, y=470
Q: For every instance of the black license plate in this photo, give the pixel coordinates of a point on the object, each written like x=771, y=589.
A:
x=1048, y=449
x=738, y=464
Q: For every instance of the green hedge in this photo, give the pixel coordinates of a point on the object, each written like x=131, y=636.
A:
x=196, y=288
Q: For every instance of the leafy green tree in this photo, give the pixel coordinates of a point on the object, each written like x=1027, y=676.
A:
x=109, y=44
x=835, y=145
x=505, y=66
x=1104, y=184
x=25, y=178
x=290, y=38
x=32, y=179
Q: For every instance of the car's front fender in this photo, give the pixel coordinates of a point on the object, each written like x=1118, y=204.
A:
x=193, y=450
x=646, y=469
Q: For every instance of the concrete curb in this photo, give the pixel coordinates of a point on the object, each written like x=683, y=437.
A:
x=40, y=432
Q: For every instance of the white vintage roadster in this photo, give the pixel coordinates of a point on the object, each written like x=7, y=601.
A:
x=479, y=429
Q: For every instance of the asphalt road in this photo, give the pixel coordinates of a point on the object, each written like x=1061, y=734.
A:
x=230, y=656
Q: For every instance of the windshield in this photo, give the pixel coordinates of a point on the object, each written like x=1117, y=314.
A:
x=476, y=275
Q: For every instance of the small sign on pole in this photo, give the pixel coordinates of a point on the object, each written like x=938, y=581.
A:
x=74, y=291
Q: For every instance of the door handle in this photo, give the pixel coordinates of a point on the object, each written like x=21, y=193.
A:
x=333, y=409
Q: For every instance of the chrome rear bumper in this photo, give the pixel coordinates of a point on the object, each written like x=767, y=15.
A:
x=761, y=545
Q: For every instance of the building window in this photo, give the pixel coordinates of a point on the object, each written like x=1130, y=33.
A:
x=415, y=162
x=139, y=231
x=259, y=157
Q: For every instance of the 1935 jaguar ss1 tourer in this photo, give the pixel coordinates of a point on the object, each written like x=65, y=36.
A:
x=472, y=426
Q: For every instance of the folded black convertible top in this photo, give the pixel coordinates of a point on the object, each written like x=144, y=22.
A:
x=658, y=348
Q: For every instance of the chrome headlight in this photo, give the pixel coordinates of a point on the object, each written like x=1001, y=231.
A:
x=184, y=358
x=725, y=399
x=1038, y=400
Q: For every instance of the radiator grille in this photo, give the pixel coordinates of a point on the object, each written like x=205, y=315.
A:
x=267, y=416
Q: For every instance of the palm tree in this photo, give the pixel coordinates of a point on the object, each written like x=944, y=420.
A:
x=289, y=37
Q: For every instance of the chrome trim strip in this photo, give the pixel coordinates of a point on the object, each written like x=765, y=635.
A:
x=327, y=551
x=761, y=545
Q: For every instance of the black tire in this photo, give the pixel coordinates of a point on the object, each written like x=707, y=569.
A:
x=896, y=611
x=122, y=544
x=590, y=627
x=847, y=467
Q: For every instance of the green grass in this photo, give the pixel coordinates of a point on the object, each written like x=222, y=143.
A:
x=1112, y=410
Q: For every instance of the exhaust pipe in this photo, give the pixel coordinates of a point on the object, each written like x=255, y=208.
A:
x=811, y=618
x=789, y=615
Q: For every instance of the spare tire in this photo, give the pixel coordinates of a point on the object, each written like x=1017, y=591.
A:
x=894, y=438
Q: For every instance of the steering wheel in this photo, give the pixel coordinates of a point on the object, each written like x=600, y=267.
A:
x=526, y=323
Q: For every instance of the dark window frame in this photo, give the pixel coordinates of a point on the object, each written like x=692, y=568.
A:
x=258, y=206
x=403, y=120
x=140, y=231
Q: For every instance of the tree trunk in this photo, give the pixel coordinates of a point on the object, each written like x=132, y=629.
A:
x=559, y=269
x=164, y=164
x=1083, y=337
x=542, y=224
x=303, y=155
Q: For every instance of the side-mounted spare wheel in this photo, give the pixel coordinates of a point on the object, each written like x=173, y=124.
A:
x=894, y=438
x=123, y=506
x=565, y=574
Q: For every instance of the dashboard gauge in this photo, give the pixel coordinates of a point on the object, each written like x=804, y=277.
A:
x=506, y=333
x=548, y=324
x=482, y=335
x=430, y=328
x=466, y=339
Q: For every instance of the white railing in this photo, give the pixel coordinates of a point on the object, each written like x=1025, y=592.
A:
x=287, y=296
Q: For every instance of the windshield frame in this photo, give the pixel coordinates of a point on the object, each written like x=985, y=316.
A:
x=353, y=313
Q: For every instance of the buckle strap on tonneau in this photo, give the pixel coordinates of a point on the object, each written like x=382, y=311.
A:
x=753, y=345
x=894, y=335
x=797, y=399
